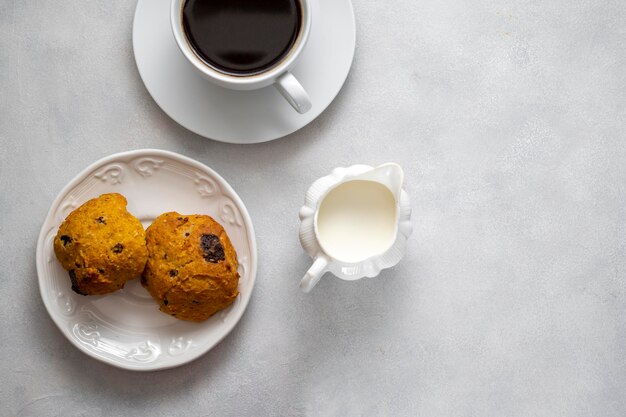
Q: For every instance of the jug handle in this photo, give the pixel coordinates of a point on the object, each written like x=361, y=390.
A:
x=315, y=272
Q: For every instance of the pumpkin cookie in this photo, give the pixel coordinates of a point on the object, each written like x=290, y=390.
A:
x=192, y=266
x=102, y=245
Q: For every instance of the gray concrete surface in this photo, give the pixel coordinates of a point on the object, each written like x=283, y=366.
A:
x=509, y=118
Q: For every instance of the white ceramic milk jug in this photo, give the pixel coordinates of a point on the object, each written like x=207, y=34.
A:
x=355, y=222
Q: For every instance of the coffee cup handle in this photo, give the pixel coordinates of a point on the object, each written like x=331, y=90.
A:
x=294, y=93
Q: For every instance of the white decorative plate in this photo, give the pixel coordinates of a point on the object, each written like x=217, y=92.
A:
x=126, y=328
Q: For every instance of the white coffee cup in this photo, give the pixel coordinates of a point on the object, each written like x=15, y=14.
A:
x=279, y=75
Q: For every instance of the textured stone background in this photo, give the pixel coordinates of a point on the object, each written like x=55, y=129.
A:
x=509, y=118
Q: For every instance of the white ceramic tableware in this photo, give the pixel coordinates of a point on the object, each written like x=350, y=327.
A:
x=278, y=75
x=126, y=328
x=242, y=116
x=355, y=222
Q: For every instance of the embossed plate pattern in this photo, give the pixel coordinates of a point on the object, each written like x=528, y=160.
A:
x=126, y=328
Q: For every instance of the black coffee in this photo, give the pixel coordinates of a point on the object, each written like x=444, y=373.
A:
x=241, y=37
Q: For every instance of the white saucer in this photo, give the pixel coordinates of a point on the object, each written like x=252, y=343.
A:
x=242, y=116
x=126, y=328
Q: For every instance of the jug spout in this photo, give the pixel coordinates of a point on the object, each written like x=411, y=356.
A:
x=390, y=175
